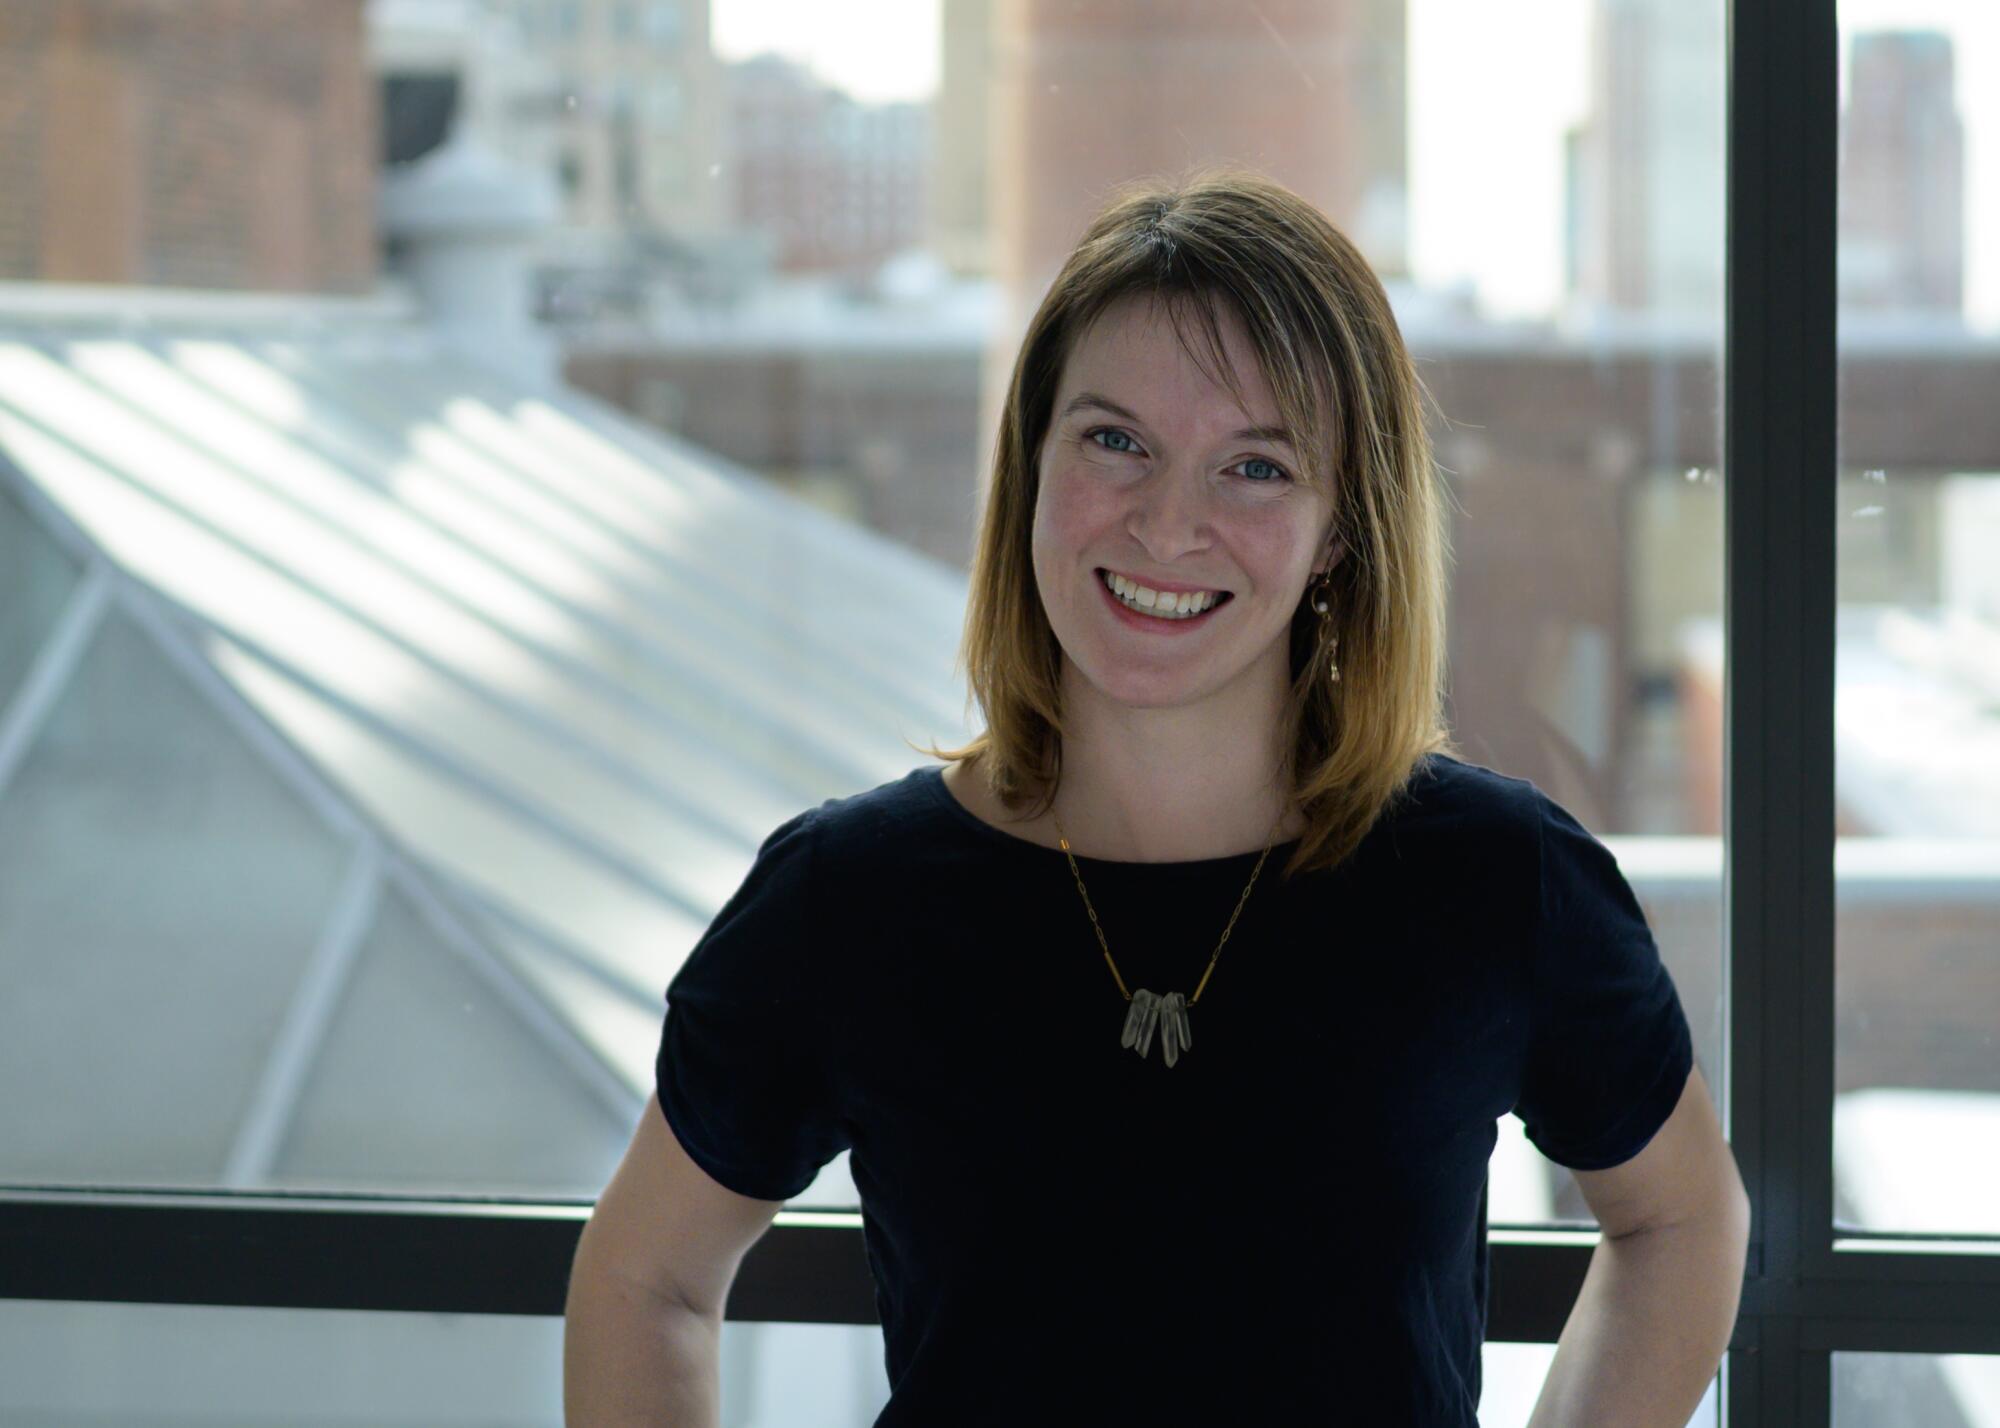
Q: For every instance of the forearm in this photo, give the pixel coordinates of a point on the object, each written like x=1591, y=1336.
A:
x=1649, y=1328
x=631, y=1358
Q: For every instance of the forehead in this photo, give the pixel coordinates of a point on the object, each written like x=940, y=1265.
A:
x=1137, y=340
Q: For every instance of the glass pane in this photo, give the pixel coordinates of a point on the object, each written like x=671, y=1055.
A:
x=1896, y=1390
x=491, y=1096
x=382, y=634
x=483, y=688
x=549, y=672
x=165, y=889
x=36, y=581
x=1575, y=230
x=1917, y=660
x=1559, y=281
x=1554, y=254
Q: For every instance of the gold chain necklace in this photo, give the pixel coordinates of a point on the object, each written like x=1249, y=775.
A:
x=1148, y=1010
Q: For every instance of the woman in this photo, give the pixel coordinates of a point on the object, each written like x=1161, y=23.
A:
x=1145, y=1131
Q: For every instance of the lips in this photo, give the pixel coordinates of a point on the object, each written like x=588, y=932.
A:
x=1104, y=570
x=1141, y=619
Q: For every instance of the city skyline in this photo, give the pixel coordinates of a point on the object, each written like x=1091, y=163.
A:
x=1486, y=198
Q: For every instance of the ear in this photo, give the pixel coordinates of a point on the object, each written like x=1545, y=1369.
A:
x=1333, y=559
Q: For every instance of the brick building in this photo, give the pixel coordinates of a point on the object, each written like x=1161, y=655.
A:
x=837, y=184
x=187, y=143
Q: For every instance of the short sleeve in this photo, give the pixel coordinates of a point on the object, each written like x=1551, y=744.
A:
x=742, y=1071
x=1610, y=1050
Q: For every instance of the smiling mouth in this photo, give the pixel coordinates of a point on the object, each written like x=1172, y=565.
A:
x=1222, y=597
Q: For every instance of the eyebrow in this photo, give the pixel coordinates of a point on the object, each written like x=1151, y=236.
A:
x=1249, y=433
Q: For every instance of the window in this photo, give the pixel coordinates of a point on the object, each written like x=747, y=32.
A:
x=1917, y=652
x=380, y=722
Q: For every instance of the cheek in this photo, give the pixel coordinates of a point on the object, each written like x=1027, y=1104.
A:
x=1052, y=535
x=1072, y=508
x=1279, y=542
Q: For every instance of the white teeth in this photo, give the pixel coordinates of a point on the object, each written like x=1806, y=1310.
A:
x=1163, y=606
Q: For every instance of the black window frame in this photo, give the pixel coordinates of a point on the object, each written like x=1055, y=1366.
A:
x=1805, y=1295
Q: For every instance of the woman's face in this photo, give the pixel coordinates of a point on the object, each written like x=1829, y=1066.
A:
x=1146, y=471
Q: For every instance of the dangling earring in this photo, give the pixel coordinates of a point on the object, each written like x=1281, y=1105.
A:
x=1320, y=589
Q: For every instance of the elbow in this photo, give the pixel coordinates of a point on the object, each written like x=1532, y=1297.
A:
x=1736, y=1197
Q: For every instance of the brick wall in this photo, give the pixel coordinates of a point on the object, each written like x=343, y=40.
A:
x=199, y=143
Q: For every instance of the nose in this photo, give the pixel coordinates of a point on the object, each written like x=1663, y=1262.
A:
x=1169, y=512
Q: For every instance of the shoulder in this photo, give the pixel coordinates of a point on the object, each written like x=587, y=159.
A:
x=1454, y=796
x=821, y=858
x=857, y=827
x=1464, y=827
x=1515, y=806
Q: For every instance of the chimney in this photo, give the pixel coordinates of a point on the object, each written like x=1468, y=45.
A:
x=469, y=219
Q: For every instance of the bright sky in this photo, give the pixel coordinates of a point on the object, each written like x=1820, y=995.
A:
x=895, y=55
x=1485, y=146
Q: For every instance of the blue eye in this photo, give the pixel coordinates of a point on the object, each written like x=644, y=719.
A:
x=1278, y=473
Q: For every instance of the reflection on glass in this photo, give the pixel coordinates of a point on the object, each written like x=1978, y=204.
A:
x=1917, y=668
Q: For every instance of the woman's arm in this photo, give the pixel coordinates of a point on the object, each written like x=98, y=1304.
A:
x=1659, y=1302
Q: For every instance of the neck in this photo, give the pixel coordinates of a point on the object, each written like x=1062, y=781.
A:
x=1175, y=783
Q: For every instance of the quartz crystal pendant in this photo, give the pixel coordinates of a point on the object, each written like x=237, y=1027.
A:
x=1168, y=1014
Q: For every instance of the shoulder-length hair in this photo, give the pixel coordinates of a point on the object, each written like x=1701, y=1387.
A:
x=1329, y=348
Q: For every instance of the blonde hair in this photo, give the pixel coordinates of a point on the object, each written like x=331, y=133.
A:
x=1328, y=346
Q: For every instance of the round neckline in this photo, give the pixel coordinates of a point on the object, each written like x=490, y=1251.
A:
x=931, y=776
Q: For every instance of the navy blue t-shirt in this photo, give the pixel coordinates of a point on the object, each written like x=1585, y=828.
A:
x=1288, y=1221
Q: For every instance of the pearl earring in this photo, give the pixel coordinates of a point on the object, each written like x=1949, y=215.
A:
x=1321, y=604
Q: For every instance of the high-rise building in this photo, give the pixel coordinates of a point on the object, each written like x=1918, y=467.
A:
x=1902, y=182
x=961, y=140
x=1310, y=92
x=1647, y=195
